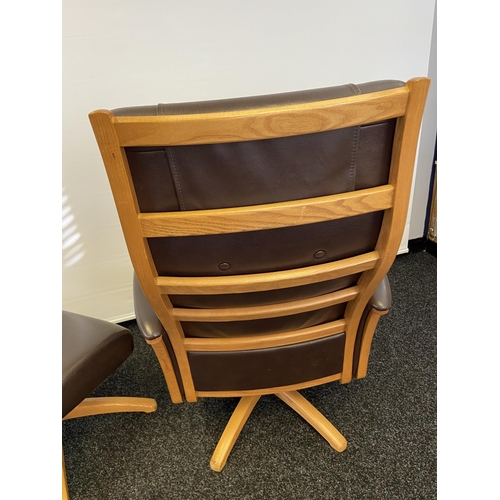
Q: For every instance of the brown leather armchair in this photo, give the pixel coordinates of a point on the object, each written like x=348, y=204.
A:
x=261, y=231
x=92, y=350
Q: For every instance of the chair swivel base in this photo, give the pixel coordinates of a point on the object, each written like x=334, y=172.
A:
x=293, y=399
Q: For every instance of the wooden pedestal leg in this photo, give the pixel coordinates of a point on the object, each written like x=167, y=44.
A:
x=309, y=413
x=232, y=431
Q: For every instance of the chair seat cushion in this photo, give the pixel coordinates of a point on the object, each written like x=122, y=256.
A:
x=92, y=350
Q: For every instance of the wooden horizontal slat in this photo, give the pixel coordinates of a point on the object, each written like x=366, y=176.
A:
x=260, y=123
x=265, y=341
x=269, y=216
x=267, y=281
x=268, y=311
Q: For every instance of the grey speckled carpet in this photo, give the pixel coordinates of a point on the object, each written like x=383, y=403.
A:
x=388, y=419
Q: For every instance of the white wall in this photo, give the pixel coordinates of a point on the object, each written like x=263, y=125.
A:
x=130, y=52
x=424, y=164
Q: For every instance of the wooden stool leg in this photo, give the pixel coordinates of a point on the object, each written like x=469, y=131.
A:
x=232, y=431
x=309, y=413
x=113, y=404
x=100, y=406
x=65, y=494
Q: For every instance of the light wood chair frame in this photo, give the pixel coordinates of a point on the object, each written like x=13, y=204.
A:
x=115, y=133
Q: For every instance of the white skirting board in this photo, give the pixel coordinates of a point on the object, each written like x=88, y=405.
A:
x=403, y=248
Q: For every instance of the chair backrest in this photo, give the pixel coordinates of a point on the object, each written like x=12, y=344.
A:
x=259, y=224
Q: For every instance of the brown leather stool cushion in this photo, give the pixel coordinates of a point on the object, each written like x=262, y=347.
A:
x=92, y=350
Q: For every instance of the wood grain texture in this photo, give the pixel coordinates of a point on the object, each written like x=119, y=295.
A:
x=269, y=390
x=266, y=341
x=167, y=367
x=100, y=406
x=267, y=281
x=400, y=176
x=65, y=493
x=269, y=311
x=270, y=216
x=295, y=401
x=118, y=171
x=232, y=431
x=314, y=417
x=260, y=123
x=114, y=404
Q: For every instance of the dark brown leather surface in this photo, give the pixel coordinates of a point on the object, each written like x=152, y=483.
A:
x=270, y=100
x=248, y=173
x=263, y=326
x=265, y=251
x=262, y=368
x=259, y=172
x=92, y=350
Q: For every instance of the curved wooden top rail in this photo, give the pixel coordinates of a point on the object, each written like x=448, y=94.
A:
x=259, y=123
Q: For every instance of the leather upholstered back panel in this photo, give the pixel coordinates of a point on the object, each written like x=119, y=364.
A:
x=257, y=172
x=260, y=172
